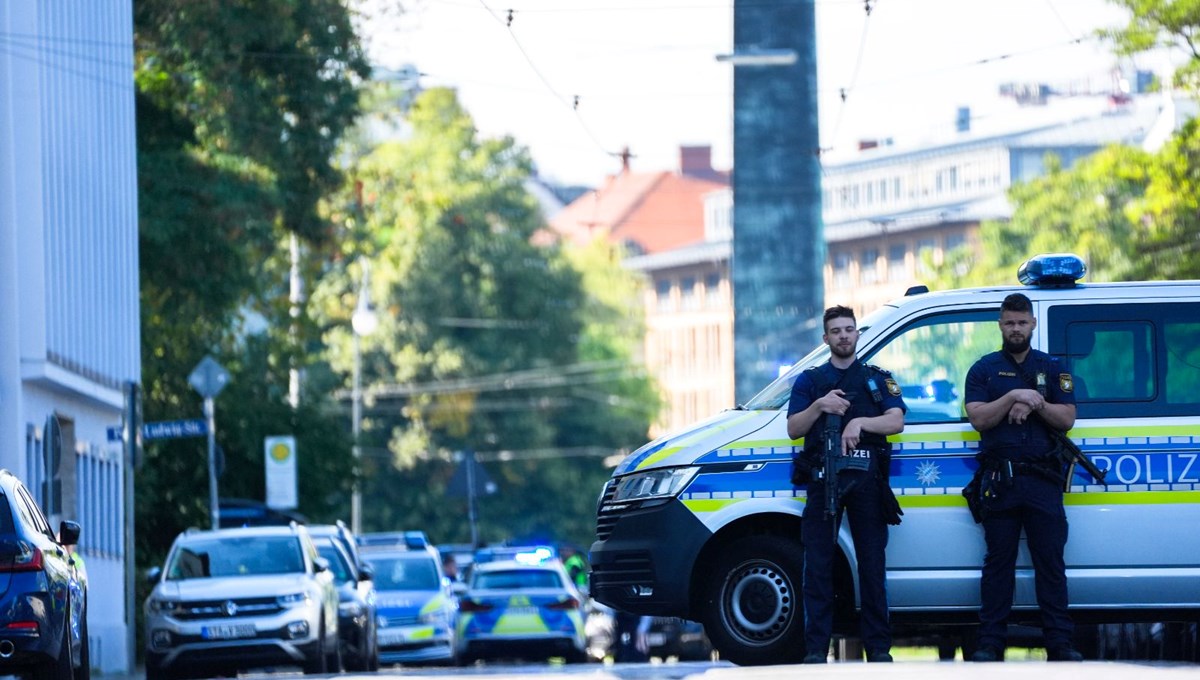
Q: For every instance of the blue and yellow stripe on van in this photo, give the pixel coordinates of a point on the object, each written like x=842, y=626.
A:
x=1152, y=464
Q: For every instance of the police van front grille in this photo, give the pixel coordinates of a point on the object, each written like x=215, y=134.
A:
x=628, y=568
x=606, y=516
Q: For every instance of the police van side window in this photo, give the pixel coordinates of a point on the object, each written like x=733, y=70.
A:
x=930, y=358
x=1141, y=359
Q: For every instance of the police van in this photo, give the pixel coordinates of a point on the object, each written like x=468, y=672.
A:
x=705, y=523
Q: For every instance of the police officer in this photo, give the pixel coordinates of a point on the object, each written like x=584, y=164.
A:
x=871, y=407
x=1012, y=397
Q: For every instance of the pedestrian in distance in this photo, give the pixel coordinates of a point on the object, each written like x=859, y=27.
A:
x=868, y=404
x=1014, y=398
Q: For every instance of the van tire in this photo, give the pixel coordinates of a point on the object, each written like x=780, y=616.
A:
x=753, y=607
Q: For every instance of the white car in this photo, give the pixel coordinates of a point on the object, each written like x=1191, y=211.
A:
x=238, y=599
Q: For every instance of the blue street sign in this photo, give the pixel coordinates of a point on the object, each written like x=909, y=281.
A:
x=116, y=433
x=174, y=429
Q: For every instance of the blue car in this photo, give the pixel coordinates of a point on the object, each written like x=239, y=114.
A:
x=415, y=607
x=43, y=592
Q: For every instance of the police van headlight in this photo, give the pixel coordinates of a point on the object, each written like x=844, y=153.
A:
x=654, y=484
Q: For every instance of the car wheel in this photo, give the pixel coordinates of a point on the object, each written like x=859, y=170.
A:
x=84, y=672
x=60, y=668
x=754, y=609
x=318, y=662
x=333, y=662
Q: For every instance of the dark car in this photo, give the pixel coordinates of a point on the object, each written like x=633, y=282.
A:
x=43, y=592
x=356, y=602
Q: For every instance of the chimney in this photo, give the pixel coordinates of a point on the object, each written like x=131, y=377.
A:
x=625, y=155
x=696, y=161
x=864, y=144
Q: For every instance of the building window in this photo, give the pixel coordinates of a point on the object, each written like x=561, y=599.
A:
x=925, y=255
x=712, y=291
x=897, y=271
x=954, y=241
x=663, y=293
x=688, y=300
x=841, y=270
x=870, y=266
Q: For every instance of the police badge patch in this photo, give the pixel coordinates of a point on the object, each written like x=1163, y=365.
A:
x=1065, y=383
x=892, y=388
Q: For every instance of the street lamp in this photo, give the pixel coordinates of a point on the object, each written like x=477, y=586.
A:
x=364, y=321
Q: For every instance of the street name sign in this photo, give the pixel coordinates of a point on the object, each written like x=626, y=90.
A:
x=175, y=429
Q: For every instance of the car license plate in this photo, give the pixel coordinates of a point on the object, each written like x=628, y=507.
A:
x=395, y=637
x=227, y=632
x=656, y=639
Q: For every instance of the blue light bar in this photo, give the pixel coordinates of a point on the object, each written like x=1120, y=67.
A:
x=1057, y=269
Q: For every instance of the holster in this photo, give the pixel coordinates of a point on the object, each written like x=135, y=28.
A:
x=891, y=507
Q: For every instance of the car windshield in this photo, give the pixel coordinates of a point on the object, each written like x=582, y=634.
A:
x=338, y=563
x=517, y=579
x=405, y=573
x=236, y=556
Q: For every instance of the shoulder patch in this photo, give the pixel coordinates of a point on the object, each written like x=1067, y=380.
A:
x=883, y=372
x=1065, y=383
x=892, y=388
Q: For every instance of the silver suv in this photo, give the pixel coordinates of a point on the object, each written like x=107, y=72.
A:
x=237, y=599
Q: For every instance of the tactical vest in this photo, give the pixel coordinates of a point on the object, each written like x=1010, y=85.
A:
x=862, y=404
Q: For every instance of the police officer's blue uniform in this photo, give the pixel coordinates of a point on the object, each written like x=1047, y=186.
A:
x=1034, y=501
x=863, y=502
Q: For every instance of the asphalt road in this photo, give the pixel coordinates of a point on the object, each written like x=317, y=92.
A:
x=902, y=670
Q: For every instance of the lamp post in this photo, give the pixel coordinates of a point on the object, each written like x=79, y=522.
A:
x=364, y=321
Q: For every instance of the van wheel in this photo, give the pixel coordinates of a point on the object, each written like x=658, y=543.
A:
x=753, y=609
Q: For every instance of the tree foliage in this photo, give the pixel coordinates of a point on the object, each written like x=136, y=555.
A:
x=486, y=340
x=240, y=106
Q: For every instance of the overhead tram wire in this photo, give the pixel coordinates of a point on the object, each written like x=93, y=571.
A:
x=573, y=105
x=845, y=92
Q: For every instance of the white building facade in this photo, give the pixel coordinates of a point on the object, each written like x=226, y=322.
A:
x=69, y=312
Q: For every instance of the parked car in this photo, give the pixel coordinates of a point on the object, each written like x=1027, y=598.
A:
x=44, y=599
x=417, y=609
x=356, y=600
x=238, y=599
x=516, y=610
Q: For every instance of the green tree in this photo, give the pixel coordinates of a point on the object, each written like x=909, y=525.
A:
x=1085, y=209
x=240, y=106
x=486, y=340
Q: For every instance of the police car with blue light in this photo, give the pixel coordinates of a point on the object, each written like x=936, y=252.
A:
x=416, y=610
x=705, y=523
x=524, y=608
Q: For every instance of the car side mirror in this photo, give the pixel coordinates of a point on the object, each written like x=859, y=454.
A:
x=366, y=573
x=458, y=589
x=320, y=564
x=153, y=574
x=68, y=532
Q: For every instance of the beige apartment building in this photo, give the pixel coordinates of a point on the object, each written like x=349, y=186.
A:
x=888, y=211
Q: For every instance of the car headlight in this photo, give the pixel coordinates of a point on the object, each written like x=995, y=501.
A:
x=436, y=617
x=664, y=483
x=160, y=606
x=293, y=600
x=351, y=609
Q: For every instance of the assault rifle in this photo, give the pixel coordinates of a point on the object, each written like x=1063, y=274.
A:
x=1071, y=455
x=835, y=462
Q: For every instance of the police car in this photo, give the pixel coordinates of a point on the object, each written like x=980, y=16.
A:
x=705, y=523
x=521, y=609
x=416, y=609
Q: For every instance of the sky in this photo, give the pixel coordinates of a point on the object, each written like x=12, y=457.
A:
x=578, y=80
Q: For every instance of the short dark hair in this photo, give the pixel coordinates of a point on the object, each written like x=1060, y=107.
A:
x=835, y=312
x=1017, y=302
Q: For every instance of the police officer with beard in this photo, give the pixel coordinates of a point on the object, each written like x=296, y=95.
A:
x=869, y=402
x=1012, y=397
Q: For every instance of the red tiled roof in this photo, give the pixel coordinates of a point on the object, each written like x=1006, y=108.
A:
x=656, y=210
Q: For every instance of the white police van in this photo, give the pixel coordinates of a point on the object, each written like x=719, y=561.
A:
x=705, y=524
